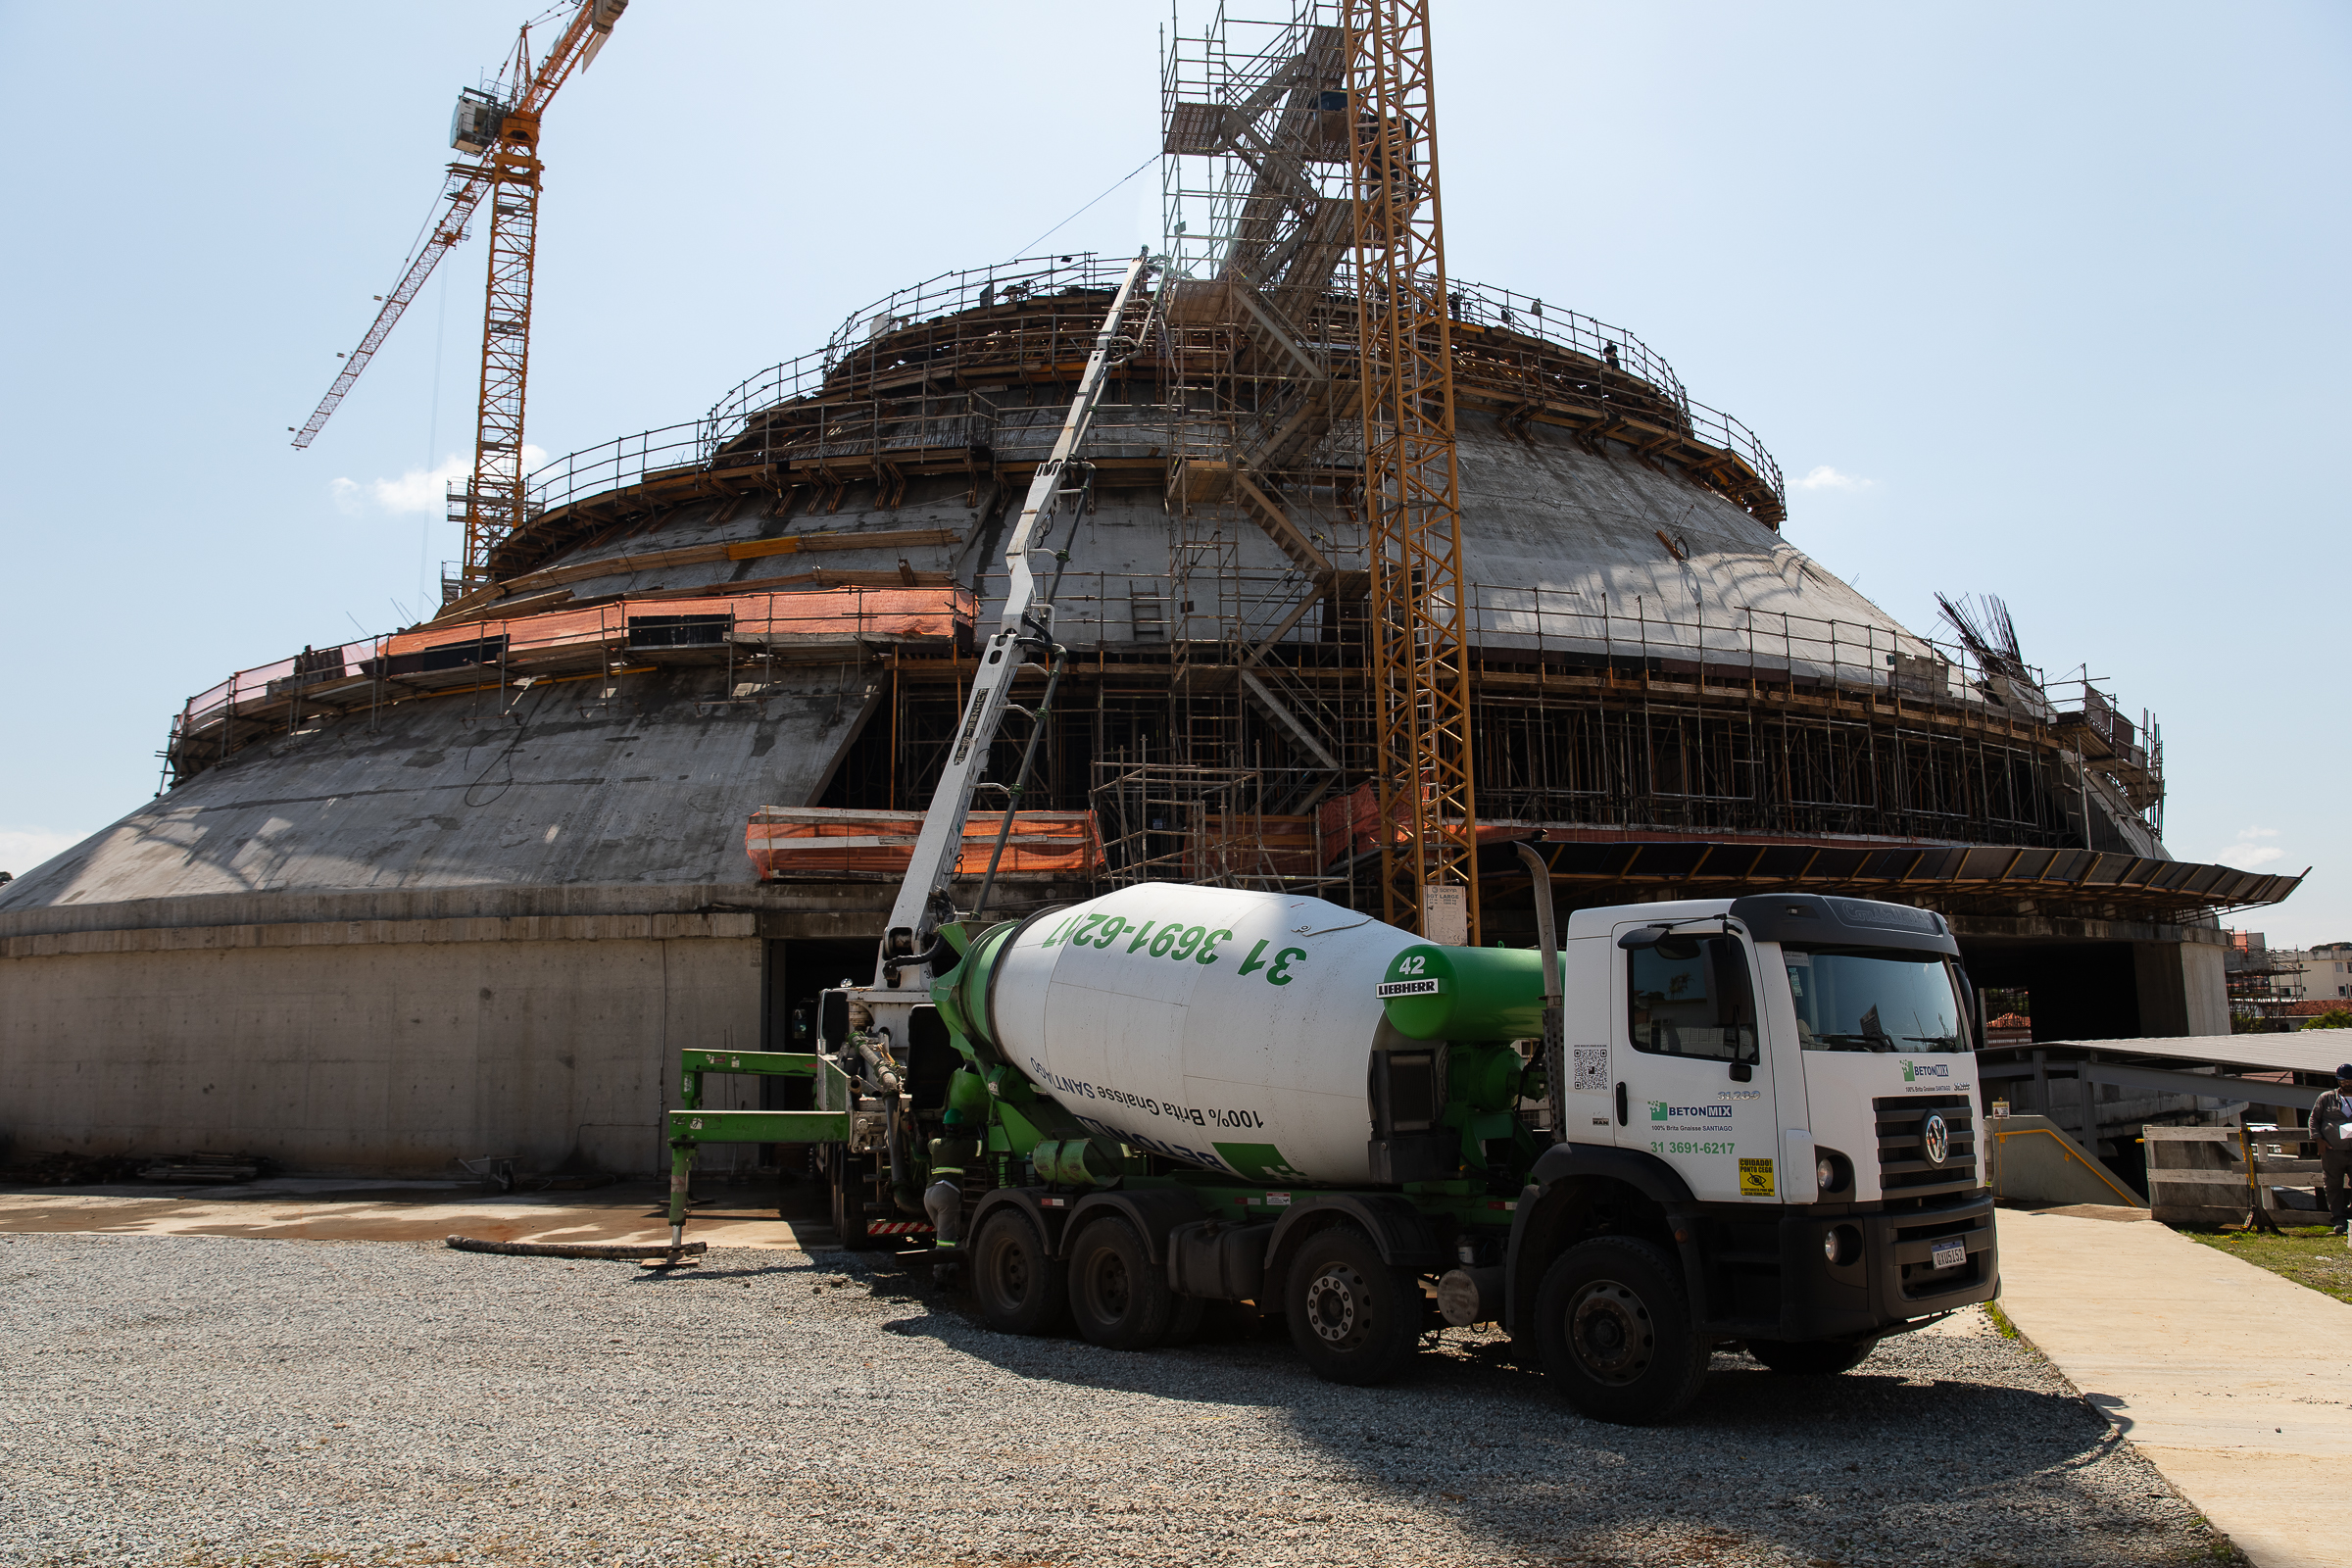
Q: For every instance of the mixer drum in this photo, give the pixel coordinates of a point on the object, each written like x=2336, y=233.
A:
x=1221, y=1026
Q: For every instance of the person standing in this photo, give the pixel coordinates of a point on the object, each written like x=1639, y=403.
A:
x=2331, y=1130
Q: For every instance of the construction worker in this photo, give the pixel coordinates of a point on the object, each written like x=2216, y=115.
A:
x=2331, y=1130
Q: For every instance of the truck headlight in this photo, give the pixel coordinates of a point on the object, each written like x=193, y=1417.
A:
x=1831, y=1171
x=1841, y=1245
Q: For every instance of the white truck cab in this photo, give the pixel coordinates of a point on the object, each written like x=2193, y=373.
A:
x=1802, y=1065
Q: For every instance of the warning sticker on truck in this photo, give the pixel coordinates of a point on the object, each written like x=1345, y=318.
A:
x=1755, y=1178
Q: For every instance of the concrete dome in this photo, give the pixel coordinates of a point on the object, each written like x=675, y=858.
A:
x=462, y=890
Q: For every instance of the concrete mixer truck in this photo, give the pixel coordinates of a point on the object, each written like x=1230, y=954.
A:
x=1671, y=1127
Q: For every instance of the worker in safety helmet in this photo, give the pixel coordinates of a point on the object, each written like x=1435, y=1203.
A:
x=2331, y=1130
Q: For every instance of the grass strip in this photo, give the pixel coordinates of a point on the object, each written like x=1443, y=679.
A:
x=2308, y=1255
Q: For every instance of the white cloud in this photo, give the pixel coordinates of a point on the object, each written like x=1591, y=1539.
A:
x=419, y=490
x=2249, y=851
x=1826, y=477
x=24, y=848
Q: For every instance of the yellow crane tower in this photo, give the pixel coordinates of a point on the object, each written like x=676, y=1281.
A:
x=499, y=125
x=1420, y=662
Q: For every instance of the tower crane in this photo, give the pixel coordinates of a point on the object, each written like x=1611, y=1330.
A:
x=499, y=127
x=1427, y=821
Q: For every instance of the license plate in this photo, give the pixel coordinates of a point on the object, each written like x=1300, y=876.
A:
x=1948, y=1254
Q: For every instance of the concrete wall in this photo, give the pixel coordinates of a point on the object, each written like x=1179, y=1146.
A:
x=392, y=1032
x=2183, y=988
x=377, y=1047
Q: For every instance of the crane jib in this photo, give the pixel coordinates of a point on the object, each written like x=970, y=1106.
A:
x=591, y=23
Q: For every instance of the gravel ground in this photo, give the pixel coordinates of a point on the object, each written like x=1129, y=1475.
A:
x=204, y=1400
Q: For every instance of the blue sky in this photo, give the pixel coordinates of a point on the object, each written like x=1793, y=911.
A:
x=2040, y=301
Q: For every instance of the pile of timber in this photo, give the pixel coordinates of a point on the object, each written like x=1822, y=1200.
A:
x=205, y=1169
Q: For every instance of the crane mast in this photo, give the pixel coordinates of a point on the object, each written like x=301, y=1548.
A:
x=502, y=128
x=1412, y=505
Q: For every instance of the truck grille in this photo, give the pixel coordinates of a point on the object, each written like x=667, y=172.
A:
x=1914, y=1253
x=1905, y=1169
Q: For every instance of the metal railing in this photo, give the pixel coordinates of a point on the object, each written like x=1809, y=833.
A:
x=1620, y=352
x=1506, y=626
x=838, y=616
x=631, y=459
x=1483, y=305
x=279, y=678
x=953, y=293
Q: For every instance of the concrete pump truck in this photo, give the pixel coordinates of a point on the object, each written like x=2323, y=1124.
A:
x=1678, y=1126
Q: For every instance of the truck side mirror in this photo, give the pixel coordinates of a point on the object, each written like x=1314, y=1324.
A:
x=1735, y=1003
x=1681, y=949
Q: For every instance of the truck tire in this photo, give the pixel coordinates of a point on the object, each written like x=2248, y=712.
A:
x=1117, y=1298
x=1813, y=1357
x=849, y=1177
x=1019, y=1288
x=1613, y=1325
x=1351, y=1316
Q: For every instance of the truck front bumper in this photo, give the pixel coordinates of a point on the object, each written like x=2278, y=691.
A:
x=1891, y=1278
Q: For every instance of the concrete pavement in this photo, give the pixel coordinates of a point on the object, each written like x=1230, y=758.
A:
x=2231, y=1380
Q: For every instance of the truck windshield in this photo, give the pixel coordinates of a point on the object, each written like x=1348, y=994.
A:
x=1872, y=999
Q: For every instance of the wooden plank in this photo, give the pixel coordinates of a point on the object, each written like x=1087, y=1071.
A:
x=894, y=539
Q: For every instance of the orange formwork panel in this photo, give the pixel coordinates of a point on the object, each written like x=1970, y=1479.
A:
x=828, y=613
x=820, y=842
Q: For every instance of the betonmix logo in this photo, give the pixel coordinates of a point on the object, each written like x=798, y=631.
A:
x=1659, y=1110
x=1924, y=1070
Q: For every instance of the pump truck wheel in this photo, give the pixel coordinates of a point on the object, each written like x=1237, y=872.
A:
x=1614, y=1327
x=1815, y=1357
x=1353, y=1317
x=1118, y=1299
x=1020, y=1290
x=851, y=1176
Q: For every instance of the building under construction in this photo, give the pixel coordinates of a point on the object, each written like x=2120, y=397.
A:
x=463, y=891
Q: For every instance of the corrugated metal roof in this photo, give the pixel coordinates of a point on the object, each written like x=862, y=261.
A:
x=2320, y=1051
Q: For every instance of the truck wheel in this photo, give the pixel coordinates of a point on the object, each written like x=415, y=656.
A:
x=1118, y=1299
x=849, y=1177
x=1613, y=1324
x=1353, y=1317
x=1019, y=1289
x=1813, y=1357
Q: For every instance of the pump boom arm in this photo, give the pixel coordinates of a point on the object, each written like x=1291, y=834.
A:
x=1028, y=619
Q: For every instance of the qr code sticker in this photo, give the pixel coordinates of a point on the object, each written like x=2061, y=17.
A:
x=1592, y=1069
